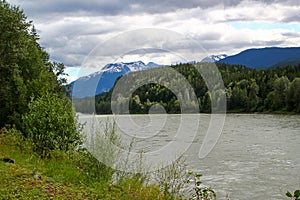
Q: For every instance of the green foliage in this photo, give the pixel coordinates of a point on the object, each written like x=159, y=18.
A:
x=293, y=95
x=51, y=124
x=91, y=168
x=295, y=196
x=25, y=69
x=64, y=175
x=49, y=161
x=99, y=146
x=134, y=187
x=238, y=98
x=176, y=182
x=200, y=192
x=280, y=86
x=171, y=179
x=14, y=139
x=247, y=90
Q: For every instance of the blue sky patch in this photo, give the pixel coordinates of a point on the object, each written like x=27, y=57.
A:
x=265, y=26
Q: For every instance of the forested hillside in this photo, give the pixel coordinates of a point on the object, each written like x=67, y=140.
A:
x=33, y=96
x=262, y=58
x=247, y=90
x=25, y=69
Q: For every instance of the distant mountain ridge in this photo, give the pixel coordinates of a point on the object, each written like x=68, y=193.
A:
x=264, y=57
x=104, y=79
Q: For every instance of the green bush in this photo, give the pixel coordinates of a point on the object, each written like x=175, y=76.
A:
x=51, y=125
x=25, y=67
x=200, y=192
x=296, y=195
x=171, y=178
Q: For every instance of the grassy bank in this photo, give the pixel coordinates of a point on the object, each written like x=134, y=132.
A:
x=24, y=175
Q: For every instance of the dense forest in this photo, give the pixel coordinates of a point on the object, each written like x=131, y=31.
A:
x=25, y=69
x=246, y=90
x=34, y=98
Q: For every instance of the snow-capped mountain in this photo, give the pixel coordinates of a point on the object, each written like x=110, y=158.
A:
x=127, y=67
x=104, y=79
x=214, y=58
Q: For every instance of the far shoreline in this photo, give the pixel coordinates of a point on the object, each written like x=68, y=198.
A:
x=227, y=112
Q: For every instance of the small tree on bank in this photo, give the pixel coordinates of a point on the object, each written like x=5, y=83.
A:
x=50, y=124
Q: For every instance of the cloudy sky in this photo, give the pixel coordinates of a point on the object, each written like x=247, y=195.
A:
x=71, y=29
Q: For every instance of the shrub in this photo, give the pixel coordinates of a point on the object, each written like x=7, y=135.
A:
x=51, y=125
x=172, y=178
x=296, y=195
x=200, y=192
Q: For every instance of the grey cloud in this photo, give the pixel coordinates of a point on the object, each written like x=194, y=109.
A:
x=228, y=47
x=71, y=41
x=271, y=43
x=209, y=36
x=107, y=7
x=121, y=7
x=294, y=18
x=74, y=29
x=288, y=2
x=146, y=51
x=291, y=34
x=142, y=42
x=71, y=52
x=224, y=46
x=51, y=10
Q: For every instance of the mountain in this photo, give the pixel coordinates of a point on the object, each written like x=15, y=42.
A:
x=214, y=58
x=104, y=79
x=263, y=57
x=288, y=62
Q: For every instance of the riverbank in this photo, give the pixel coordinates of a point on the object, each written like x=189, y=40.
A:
x=24, y=175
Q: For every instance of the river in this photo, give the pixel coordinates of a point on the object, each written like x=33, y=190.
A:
x=257, y=156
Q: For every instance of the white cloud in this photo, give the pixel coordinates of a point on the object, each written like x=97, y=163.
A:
x=69, y=30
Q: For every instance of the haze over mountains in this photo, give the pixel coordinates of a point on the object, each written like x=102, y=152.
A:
x=104, y=79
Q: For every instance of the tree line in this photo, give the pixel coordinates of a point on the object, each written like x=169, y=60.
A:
x=246, y=90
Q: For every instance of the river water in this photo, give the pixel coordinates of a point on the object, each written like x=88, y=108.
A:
x=257, y=156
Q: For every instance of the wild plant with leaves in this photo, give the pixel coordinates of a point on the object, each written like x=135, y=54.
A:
x=200, y=192
x=295, y=196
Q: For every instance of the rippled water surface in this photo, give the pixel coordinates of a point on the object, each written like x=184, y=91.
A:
x=256, y=157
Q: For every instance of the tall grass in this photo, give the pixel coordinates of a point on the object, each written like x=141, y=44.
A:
x=78, y=174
